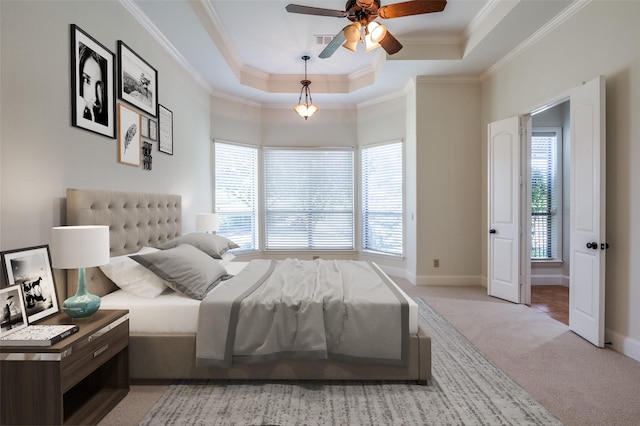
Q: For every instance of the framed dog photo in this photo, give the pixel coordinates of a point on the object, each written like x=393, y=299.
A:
x=30, y=268
x=93, y=105
x=137, y=80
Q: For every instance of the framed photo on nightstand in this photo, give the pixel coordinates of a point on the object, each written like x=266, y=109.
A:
x=13, y=314
x=30, y=268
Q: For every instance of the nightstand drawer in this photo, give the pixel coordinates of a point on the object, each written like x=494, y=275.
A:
x=90, y=353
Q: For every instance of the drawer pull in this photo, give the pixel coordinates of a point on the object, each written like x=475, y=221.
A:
x=100, y=351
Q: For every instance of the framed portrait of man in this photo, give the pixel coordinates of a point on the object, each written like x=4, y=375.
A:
x=93, y=92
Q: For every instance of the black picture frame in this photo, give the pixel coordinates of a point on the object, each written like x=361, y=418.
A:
x=137, y=80
x=153, y=130
x=30, y=268
x=165, y=127
x=93, y=93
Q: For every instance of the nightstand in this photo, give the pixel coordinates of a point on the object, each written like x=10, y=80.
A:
x=76, y=381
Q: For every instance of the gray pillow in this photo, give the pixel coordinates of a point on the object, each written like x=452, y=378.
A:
x=185, y=269
x=212, y=244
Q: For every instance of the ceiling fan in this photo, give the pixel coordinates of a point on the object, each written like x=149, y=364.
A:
x=362, y=14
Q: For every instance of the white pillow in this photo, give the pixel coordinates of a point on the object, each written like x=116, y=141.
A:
x=134, y=278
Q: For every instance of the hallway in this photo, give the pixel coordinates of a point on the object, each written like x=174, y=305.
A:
x=552, y=300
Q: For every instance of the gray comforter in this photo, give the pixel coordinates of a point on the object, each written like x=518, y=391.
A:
x=287, y=309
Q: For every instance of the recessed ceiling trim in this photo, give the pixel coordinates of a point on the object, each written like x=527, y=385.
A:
x=492, y=17
x=428, y=51
x=558, y=20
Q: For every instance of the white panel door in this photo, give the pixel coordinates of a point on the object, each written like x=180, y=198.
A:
x=588, y=238
x=503, y=269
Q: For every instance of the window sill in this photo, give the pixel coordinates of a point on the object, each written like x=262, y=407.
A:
x=547, y=262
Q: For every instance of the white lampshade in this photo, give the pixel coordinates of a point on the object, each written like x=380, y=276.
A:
x=377, y=31
x=75, y=247
x=352, y=32
x=206, y=222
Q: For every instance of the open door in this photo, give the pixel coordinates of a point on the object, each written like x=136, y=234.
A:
x=587, y=232
x=505, y=180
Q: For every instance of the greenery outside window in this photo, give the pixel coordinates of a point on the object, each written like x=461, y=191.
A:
x=309, y=199
x=546, y=194
x=382, y=198
x=236, y=193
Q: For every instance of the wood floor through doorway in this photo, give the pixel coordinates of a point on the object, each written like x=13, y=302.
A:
x=552, y=300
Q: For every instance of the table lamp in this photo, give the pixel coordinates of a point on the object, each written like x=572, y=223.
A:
x=80, y=247
x=207, y=222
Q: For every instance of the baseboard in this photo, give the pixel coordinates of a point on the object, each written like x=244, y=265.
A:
x=450, y=280
x=550, y=280
x=395, y=272
x=624, y=344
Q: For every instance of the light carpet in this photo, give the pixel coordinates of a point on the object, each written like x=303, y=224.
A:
x=466, y=389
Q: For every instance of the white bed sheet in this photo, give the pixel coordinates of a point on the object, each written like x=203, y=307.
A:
x=172, y=312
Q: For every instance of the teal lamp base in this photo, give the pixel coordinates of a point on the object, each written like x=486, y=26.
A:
x=83, y=304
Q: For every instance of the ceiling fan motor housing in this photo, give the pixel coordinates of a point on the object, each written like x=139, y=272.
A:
x=363, y=11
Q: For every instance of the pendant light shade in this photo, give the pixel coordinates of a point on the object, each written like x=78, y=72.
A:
x=306, y=109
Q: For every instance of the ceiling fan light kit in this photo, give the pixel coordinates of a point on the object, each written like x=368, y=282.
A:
x=353, y=34
x=363, y=13
x=308, y=108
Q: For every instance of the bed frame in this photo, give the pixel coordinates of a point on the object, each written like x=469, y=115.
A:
x=136, y=220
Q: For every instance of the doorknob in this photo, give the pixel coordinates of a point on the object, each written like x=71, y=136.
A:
x=593, y=245
x=492, y=231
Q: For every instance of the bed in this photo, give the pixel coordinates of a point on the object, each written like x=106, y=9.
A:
x=163, y=347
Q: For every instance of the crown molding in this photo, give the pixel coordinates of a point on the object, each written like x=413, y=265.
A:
x=558, y=20
x=144, y=21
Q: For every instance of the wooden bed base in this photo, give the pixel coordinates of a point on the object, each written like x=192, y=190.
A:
x=136, y=220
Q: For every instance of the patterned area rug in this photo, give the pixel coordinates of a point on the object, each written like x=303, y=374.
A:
x=467, y=389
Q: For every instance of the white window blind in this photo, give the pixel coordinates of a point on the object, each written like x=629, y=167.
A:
x=382, y=202
x=546, y=187
x=309, y=199
x=236, y=188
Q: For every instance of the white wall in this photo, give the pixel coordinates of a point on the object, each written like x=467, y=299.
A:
x=42, y=154
x=600, y=39
x=448, y=181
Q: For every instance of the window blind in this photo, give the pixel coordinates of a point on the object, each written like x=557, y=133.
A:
x=545, y=201
x=236, y=188
x=309, y=199
x=382, y=201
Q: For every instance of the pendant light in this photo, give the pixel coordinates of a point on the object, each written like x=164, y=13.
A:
x=307, y=108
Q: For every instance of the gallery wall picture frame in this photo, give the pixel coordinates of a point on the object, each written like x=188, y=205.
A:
x=165, y=125
x=153, y=130
x=144, y=126
x=93, y=93
x=129, y=140
x=137, y=80
x=30, y=268
x=14, y=316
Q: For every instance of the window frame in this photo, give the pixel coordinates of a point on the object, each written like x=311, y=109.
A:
x=265, y=210
x=558, y=184
x=256, y=212
x=363, y=202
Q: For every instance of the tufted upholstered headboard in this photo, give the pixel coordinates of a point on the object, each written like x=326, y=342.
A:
x=135, y=220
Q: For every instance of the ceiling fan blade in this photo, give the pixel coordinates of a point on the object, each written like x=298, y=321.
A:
x=307, y=10
x=333, y=45
x=408, y=8
x=390, y=44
